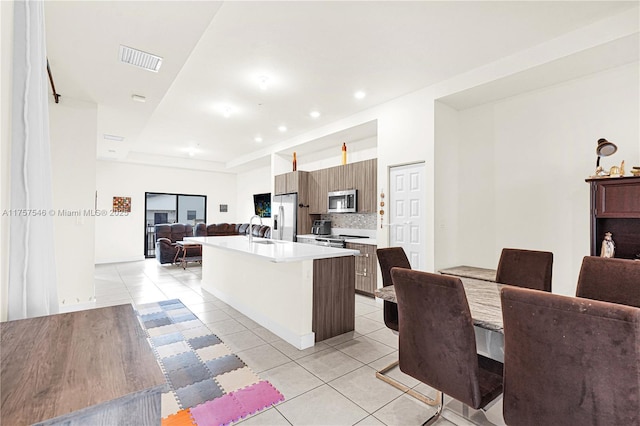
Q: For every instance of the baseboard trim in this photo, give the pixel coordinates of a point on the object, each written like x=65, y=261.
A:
x=63, y=309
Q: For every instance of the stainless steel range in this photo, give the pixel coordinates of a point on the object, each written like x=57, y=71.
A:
x=331, y=240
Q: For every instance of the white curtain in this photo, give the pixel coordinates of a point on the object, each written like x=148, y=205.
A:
x=32, y=274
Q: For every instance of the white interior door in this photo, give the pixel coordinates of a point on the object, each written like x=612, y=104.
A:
x=406, y=212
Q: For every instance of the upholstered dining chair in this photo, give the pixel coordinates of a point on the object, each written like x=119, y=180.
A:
x=391, y=257
x=525, y=268
x=610, y=280
x=569, y=361
x=437, y=340
x=394, y=257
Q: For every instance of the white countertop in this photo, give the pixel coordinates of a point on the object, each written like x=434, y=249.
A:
x=273, y=250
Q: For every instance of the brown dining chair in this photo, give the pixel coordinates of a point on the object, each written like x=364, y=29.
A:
x=391, y=257
x=610, y=280
x=525, y=268
x=394, y=257
x=437, y=340
x=569, y=361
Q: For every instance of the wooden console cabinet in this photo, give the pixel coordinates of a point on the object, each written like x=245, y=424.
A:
x=615, y=208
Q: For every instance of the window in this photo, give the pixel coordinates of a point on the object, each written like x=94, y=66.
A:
x=171, y=208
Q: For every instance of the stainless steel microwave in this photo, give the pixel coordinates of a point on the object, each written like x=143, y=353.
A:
x=342, y=201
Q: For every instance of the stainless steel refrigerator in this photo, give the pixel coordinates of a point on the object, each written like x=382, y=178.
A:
x=285, y=220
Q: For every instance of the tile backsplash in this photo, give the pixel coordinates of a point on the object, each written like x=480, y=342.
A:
x=352, y=220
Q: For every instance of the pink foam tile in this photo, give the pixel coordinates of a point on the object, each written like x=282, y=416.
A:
x=257, y=397
x=217, y=412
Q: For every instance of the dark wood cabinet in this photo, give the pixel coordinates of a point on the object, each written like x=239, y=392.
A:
x=291, y=182
x=366, y=268
x=362, y=175
x=318, y=190
x=280, y=184
x=615, y=208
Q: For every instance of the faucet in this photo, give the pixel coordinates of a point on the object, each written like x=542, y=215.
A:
x=251, y=226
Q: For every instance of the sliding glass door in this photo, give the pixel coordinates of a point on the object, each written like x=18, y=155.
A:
x=171, y=208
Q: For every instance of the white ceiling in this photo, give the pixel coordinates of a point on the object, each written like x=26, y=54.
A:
x=315, y=54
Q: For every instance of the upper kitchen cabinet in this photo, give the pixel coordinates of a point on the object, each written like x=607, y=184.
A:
x=338, y=178
x=280, y=184
x=291, y=182
x=362, y=176
x=318, y=190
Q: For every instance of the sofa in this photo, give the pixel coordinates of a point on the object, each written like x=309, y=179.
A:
x=223, y=229
x=166, y=236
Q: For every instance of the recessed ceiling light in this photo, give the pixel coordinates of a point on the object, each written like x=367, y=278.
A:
x=359, y=94
x=139, y=98
x=314, y=114
x=258, y=139
x=113, y=138
x=227, y=112
x=140, y=59
x=191, y=151
x=282, y=128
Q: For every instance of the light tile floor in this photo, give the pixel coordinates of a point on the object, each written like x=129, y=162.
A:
x=332, y=383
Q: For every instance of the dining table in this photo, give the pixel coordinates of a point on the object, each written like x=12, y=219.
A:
x=486, y=311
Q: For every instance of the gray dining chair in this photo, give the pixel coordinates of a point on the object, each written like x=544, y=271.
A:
x=437, y=340
x=525, y=268
x=610, y=280
x=569, y=361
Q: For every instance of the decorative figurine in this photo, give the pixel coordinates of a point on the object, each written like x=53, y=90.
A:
x=608, y=246
x=344, y=153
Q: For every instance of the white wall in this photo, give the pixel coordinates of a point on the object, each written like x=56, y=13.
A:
x=356, y=151
x=6, y=46
x=73, y=128
x=447, y=170
x=523, y=162
x=121, y=238
x=405, y=136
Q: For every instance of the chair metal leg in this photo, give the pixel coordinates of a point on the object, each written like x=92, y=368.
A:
x=431, y=420
x=417, y=395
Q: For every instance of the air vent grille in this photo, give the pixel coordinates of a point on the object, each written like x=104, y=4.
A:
x=140, y=59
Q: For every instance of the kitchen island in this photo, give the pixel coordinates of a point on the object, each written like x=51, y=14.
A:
x=302, y=293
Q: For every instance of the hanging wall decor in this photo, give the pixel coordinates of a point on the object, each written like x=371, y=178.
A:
x=122, y=204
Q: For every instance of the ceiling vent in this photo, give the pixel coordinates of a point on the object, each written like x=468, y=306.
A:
x=116, y=138
x=140, y=59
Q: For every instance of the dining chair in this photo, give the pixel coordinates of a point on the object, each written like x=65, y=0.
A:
x=569, y=361
x=394, y=257
x=391, y=257
x=610, y=280
x=525, y=268
x=437, y=340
